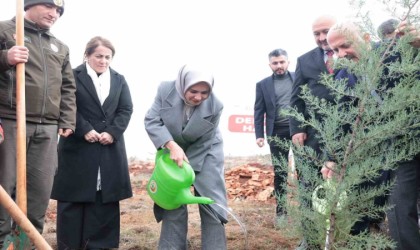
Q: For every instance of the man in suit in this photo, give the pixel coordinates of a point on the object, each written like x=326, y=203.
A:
x=272, y=96
x=309, y=68
x=345, y=38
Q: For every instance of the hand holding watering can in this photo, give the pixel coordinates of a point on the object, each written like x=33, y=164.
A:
x=169, y=185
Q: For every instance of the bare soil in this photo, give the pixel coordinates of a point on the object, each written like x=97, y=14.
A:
x=251, y=225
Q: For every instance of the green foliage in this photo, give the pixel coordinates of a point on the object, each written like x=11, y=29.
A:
x=364, y=136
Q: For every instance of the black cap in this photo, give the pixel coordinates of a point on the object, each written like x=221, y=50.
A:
x=58, y=3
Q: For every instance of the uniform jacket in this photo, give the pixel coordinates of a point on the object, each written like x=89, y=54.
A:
x=79, y=160
x=49, y=82
x=308, y=70
x=265, y=104
x=201, y=139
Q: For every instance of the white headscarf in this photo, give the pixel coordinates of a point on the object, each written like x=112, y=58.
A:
x=188, y=76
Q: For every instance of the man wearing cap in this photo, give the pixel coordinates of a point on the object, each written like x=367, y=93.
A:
x=50, y=105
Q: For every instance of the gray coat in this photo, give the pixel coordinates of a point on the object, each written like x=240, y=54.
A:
x=200, y=139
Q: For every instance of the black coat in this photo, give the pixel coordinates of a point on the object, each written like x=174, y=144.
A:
x=79, y=160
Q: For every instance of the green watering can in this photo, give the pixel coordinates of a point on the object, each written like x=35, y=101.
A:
x=169, y=185
x=320, y=194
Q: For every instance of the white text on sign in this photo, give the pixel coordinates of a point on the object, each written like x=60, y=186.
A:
x=241, y=123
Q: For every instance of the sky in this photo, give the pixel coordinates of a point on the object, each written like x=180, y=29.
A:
x=153, y=39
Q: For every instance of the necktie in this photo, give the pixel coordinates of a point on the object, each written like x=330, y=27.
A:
x=329, y=61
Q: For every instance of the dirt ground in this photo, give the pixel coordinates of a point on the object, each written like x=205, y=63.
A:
x=251, y=224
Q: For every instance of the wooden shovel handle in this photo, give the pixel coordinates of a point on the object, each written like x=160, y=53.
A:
x=21, y=197
x=20, y=218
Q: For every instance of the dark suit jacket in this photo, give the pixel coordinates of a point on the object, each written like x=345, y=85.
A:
x=265, y=104
x=308, y=70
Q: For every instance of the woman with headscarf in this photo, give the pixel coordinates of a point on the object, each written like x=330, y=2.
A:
x=92, y=175
x=184, y=118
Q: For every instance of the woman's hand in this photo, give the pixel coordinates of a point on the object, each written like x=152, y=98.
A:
x=92, y=136
x=106, y=138
x=177, y=154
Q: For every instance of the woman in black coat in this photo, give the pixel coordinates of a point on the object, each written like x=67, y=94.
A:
x=92, y=174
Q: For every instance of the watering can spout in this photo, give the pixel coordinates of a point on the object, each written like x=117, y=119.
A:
x=186, y=197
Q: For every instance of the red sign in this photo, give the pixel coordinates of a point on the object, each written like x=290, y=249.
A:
x=241, y=123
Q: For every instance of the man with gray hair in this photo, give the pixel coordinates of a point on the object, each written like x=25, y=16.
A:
x=346, y=40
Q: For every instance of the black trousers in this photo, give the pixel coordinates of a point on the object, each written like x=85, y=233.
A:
x=280, y=174
x=403, y=217
x=84, y=225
